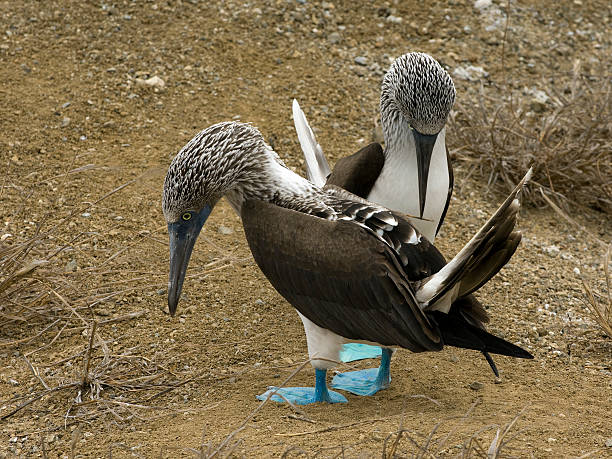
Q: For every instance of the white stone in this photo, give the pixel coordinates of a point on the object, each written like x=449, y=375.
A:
x=482, y=4
x=154, y=82
x=470, y=73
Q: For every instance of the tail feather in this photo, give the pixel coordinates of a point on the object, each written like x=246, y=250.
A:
x=457, y=332
x=491, y=362
x=317, y=167
x=474, y=279
x=481, y=258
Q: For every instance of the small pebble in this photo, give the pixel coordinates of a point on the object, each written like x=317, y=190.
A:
x=225, y=230
x=334, y=38
x=482, y=4
x=361, y=60
x=71, y=266
x=470, y=73
x=476, y=385
x=154, y=82
x=551, y=250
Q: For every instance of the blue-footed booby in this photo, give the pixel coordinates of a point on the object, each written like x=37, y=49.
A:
x=354, y=270
x=413, y=174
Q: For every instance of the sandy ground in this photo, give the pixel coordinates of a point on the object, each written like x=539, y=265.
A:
x=77, y=121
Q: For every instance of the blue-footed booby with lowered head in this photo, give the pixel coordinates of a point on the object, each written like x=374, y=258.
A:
x=354, y=270
x=413, y=174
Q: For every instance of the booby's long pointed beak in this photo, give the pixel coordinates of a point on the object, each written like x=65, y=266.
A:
x=183, y=235
x=424, y=148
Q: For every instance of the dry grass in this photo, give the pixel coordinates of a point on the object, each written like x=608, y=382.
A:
x=410, y=443
x=403, y=443
x=566, y=137
x=85, y=371
x=598, y=303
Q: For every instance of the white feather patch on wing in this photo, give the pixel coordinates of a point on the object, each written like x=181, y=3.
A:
x=317, y=167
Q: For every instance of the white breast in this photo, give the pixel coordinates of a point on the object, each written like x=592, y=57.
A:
x=397, y=186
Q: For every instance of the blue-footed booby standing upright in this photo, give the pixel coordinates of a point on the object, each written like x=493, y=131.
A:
x=413, y=174
x=354, y=270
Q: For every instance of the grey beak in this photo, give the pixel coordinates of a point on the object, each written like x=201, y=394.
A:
x=183, y=235
x=424, y=148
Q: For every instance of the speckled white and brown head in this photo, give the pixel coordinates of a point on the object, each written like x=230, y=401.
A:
x=417, y=89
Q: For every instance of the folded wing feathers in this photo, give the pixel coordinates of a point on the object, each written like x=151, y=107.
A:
x=317, y=167
x=482, y=257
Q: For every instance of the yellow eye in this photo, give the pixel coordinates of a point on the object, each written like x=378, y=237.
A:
x=186, y=216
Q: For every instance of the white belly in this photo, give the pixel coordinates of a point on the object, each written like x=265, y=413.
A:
x=325, y=344
x=397, y=187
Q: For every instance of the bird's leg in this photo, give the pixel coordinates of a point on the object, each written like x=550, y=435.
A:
x=366, y=382
x=306, y=395
x=322, y=394
x=383, y=378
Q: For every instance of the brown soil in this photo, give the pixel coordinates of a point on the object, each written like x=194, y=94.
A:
x=71, y=97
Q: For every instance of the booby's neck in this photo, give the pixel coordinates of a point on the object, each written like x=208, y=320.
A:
x=276, y=183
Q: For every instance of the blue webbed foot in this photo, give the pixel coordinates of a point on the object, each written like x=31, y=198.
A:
x=357, y=351
x=302, y=395
x=306, y=395
x=366, y=382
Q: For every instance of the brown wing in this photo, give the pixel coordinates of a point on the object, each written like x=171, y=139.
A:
x=358, y=173
x=339, y=276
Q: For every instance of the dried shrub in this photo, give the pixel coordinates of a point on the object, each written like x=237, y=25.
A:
x=566, y=137
x=47, y=307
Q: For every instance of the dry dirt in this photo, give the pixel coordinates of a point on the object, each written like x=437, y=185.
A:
x=72, y=96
